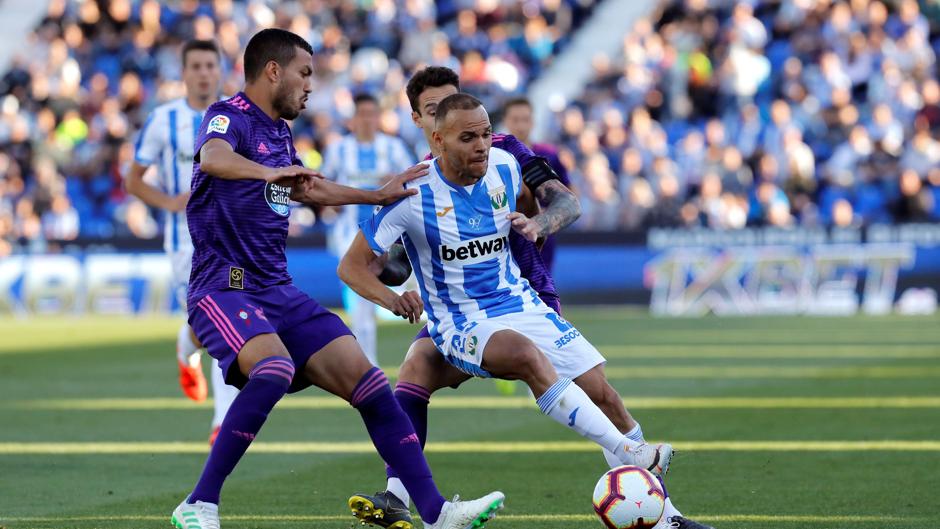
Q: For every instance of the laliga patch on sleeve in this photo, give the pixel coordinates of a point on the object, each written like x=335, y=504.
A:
x=219, y=124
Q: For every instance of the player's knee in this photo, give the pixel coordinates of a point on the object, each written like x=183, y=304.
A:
x=416, y=371
x=276, y=369
x=531, y=363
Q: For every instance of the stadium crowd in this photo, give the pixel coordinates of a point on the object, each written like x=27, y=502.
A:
x=717, y=113
x=733, y=114
x=72, y=102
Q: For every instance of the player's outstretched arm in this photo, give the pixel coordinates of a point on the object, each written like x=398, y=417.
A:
x=358, y=270
x=218, y=159
x=323, y=192
x=152, y=195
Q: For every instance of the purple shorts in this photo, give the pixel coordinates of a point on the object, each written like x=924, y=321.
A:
x=552, y=300
x=224, y=320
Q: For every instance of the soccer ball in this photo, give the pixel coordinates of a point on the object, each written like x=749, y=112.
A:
x=629, y=497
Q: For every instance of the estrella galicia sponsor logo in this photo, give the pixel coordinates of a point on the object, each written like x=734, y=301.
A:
x=278, y=197
x=475, y=250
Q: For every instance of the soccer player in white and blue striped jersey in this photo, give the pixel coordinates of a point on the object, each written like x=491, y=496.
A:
x=364, y=159
x=166, y=142
x=483, y=316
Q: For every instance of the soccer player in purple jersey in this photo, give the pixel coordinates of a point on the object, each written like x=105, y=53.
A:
x=269, y=337
x=424, y=370
x=517, y=116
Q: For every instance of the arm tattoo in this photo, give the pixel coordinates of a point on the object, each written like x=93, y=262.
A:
x=561, y=207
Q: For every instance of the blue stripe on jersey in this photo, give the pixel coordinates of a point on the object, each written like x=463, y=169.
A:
x=140, y=141
x=197, y=122
x=175, y=236
x=481, y=280
x=366, y=157
x=505, y=172
x=434, y=245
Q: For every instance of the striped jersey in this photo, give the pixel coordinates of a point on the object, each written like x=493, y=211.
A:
x=166, y=140
x=363, y=166
x=457, y=239
x=524, y=251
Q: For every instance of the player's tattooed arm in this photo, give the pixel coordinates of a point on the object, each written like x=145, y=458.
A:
x=358, y=270
x=561, y=207
x=561, y=210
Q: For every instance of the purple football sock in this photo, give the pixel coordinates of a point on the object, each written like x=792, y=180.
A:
x=267, y=383
x=396, y=441
x=413, y=400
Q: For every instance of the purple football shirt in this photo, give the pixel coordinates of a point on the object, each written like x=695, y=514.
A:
x=239, y=227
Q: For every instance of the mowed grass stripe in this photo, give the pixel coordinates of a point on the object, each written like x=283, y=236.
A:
x=486, y=403
x=756, y=518
x=746, y=351
x=493, y=447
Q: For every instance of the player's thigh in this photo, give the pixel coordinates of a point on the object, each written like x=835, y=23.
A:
x=217, y=323
x=310, y=331
x=258, y=348
x=425, y=366
x=509, y=354
x=338, y=366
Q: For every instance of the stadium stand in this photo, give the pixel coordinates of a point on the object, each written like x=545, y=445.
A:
x=75, y=96
x=825, y=113
x=733, y=114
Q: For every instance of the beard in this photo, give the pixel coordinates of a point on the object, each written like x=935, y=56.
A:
x=282, y=104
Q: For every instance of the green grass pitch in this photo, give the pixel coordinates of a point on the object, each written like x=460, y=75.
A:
x=778, y=422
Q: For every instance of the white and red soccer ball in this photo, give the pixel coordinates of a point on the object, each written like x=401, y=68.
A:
x=629, y=497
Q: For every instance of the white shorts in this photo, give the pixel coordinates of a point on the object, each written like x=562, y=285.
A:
x=570, y=353
x=181, y=262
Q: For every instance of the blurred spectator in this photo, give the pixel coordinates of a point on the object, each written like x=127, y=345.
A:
x=782, y=113
x=71, y=108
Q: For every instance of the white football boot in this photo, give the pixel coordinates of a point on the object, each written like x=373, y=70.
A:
x=199, y=515
x=468, y=514
x=655, y=458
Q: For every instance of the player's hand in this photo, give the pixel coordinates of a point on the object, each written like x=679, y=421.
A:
x=395, y=188
x=291, y=172
x=178, y=203
x=530, y=228
x=408, y=305
x=303, y=185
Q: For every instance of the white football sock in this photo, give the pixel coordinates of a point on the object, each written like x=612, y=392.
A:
x=364, y=327
x=570, y=406
x=670, y=509
x=396, y=487
x=222, y=394
x=636, y=434
x=185, y=348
